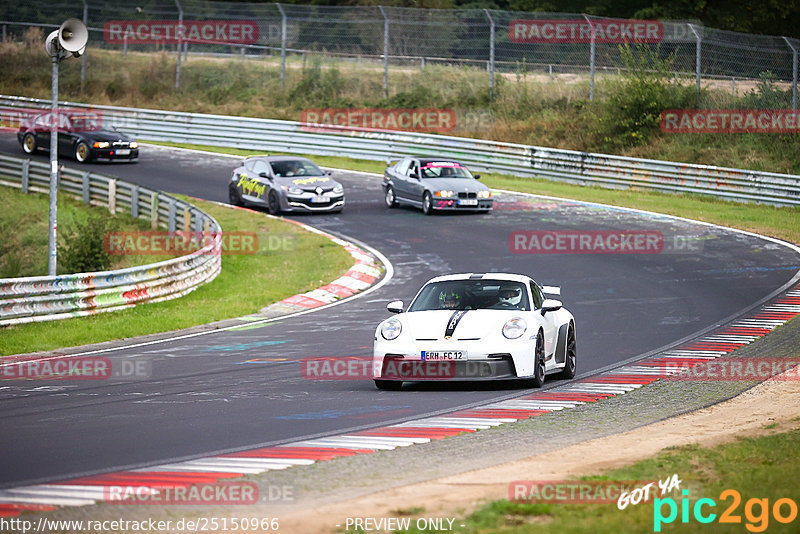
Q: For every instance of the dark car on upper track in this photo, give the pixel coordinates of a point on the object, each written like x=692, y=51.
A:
x=285, y=183
x=78, y=137
x=434, y=184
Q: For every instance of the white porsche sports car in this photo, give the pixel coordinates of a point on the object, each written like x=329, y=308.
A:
x=476, y=327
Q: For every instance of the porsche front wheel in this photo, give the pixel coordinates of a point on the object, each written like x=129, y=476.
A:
x=537, y=380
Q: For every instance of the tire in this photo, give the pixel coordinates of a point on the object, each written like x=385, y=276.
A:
x=538, y=378
x=389, y=198
x=29, y=145
x=427, y=204
x=82, y=153
x=571, y=364
x=273, y=204
x=389, y=385
x=233, y=196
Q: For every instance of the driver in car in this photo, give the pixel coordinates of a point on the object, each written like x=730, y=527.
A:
x=509, y=297
x=449, y=299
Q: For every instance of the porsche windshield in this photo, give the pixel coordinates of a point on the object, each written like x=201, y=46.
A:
x=472, y=295
x=444, y=169
x=295, y=167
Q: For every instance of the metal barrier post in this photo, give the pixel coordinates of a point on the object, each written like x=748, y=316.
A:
x=491, y=53
x=171, y=217
x=154, y=211
x=85, y=185
x=26, y=166
x=180, y=41
x=794, y=73
x=83, y=56
x=283, y=45
x=135, y=201
x=385, y=49
x=112, y=197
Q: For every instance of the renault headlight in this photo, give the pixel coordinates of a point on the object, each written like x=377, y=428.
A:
x=391, y=329
x=514, y=328
x=338, y=189
x=292, y=190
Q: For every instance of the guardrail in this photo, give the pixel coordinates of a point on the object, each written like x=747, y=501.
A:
x=583, y=168
x=45, y=298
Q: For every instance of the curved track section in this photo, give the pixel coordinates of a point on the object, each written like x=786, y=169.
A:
x=243, y=388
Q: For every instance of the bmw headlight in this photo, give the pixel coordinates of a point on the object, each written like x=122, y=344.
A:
x=444, y=194
x=101, y=144
x=514, y=328
x=134, y=144
x=391, y=329
x=338, y=189
x=484, y=194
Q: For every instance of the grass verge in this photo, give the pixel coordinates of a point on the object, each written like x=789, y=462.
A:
x=246, y=284
x=23, y=225
x=779, y=222
x=763, y=468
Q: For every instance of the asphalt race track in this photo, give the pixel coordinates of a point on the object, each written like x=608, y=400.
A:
x=240, y=389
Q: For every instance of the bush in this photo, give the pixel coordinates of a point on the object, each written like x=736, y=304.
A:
x=631, y=111
x=81, y=249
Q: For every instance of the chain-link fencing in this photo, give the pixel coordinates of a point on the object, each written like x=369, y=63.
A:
x=758, y=71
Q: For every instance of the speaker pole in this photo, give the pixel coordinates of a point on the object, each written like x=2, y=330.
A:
x=53, y=220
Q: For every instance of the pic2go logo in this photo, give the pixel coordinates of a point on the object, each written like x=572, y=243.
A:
x=756, y=511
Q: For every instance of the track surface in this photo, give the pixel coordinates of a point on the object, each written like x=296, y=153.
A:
x=240, y=389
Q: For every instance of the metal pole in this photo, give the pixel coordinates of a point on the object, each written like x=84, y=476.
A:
x=53, y=217
x=385, y=49
x=283, y=45
x=125, y=44
x=180, y=42
x=591, y=59
x=491, y=53
x=698, y=52
x=794, y=73
x=83, y=57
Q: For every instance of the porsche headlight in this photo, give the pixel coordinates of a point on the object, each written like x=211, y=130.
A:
x=391, y=329
x=514, y=328
x=101, y=144
x=484, y=194
x=444, y=194
x=134, y=144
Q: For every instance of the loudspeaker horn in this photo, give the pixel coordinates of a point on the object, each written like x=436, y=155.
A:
x=73, y=36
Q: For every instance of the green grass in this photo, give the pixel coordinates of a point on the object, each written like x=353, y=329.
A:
x=758, y=468
x=782, y=223
x=246, y=284
x=23, y=227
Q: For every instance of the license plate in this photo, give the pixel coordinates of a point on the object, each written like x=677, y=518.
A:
x=443, y=355
x=468, y=202
x=315, y=200
x=123, y=152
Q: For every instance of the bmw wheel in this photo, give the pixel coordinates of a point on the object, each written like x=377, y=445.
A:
x=427, y=204
x=233, y=196
x=389, y=385
x=389, y=198
x=29, y=145
x=273, y=204
x=571, y=364
x=82, y=152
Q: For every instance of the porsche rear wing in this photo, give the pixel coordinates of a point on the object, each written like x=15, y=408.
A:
x=551, y=290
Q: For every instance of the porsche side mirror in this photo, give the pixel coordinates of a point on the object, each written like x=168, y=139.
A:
x=396, y=306
x=550, y=305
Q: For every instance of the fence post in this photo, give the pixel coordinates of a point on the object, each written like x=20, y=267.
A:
x=112, y=197
x=283, y=45
x=591, y=58
x=83, y=56
x=135, y=201
x=85, y=188
x=187, y=220
x=26, y=165
x=698, y=54
x=385, y=49
x=4, y=33
x=794, y=73
x=154, y=210
x=491, y=53
x=180, y=42
x=171, y=217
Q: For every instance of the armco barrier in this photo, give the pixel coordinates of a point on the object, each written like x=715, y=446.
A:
x=44, y=298
x=493, y=156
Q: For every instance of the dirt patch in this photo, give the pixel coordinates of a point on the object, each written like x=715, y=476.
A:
x=775, y=403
